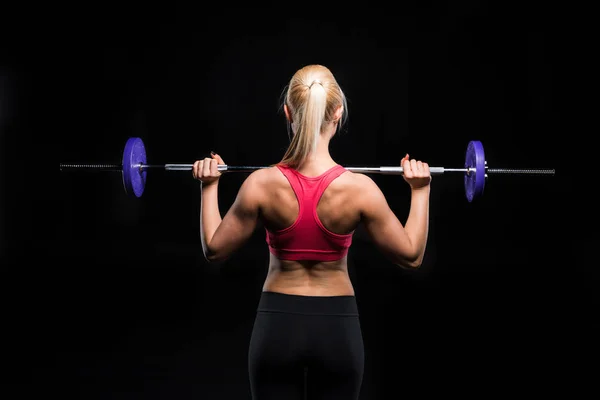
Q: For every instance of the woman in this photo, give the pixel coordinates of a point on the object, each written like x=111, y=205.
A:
x=307, y=337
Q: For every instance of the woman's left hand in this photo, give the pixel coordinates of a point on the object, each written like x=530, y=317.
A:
x=206, y=170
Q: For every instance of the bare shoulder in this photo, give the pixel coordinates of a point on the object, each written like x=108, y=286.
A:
x=364, y=191
x=262, y=179
x=359, y=179
x=361, y=183
x=265, y=176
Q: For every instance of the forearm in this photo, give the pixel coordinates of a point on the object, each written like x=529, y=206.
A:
x=417, y=224
x=210, y=215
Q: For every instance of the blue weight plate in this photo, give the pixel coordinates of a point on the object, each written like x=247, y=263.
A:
x=134, y=178
x=474, y=180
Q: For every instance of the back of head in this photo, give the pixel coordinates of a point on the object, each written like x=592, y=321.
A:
x=312, y=98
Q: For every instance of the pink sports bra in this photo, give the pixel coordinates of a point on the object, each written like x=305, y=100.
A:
x=307, y=238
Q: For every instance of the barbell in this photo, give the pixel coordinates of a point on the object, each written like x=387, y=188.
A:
x=134, y=169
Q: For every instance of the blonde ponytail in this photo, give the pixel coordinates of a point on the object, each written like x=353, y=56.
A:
x=312, y=97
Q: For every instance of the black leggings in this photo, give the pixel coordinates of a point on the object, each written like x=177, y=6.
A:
x=305, y=347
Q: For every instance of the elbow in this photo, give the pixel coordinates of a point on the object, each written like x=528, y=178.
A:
x=411, y=262
x=412, y=259
x=213, y=258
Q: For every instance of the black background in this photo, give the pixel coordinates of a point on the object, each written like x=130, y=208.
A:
x=109, y=297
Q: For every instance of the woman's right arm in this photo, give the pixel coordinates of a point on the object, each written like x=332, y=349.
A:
x=403, y=245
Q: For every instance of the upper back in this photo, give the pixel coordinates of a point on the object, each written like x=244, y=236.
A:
x=337, y=208
x=309, y=217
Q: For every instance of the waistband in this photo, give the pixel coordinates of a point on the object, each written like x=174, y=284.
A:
x=308, y=305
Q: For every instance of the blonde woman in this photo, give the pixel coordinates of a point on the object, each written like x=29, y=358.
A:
x=307, y=336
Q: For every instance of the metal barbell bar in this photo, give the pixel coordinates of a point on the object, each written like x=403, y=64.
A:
x=134, y=168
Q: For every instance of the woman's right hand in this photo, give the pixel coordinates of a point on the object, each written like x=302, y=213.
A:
x=415, y=173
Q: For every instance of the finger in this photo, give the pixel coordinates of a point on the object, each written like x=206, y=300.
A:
x=413, y=164
x=406, y=168
x=217, y=157
x=201, y=169
x=195, y=169
x=214, y=169
x=206, y=167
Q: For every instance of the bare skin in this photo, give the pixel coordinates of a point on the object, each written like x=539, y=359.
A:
x=266, y=196
x=281, y=210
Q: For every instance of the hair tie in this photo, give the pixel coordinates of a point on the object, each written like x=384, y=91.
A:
x=315, y=81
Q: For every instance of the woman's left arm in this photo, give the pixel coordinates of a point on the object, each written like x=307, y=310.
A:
x=222, y=237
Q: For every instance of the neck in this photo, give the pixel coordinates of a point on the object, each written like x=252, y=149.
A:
x=321, y=158
x=322, y=152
